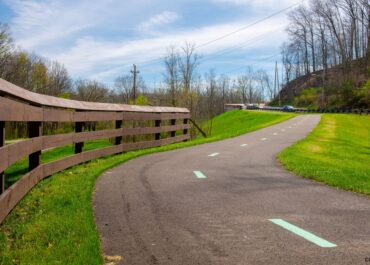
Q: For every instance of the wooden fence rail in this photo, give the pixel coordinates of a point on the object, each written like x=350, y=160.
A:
x=20, y=105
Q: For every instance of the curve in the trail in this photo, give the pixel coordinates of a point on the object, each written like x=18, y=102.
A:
x=229, y=202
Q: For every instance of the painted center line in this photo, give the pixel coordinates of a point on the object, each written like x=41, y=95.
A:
x=199, y=175
x=283, y=130
x=290, y=127
x=242, y=145
x=275, y=134
x=263, y=139
x=214, y=154
x=303, y=233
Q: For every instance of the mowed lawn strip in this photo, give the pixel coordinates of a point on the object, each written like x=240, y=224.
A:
x=337, y=153
x=54, y=223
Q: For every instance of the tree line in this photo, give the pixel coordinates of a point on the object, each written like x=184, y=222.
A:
x=325, y=34
x=204, y=94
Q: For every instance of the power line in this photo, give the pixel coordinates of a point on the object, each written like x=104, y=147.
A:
x=236, y=47
x=250, y=25
x=229, y=49
x=260, y=60
x=233, y=48
x=230, y=33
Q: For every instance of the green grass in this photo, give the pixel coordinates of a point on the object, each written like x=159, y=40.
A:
x=337, y=153
x=308, y=98
x=54, y=224
x=345, y=96
x=20, y=168
x=233, y=123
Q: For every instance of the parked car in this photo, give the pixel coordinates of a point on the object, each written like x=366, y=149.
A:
x=288, y=108
x=252, y=106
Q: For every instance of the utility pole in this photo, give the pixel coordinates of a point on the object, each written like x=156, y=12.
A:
x=276, y=87
x=134, y=72
x=278, y=84
x=282, y=76
x=275, y=94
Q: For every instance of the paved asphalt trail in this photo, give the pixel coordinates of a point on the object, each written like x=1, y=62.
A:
x=154, y=210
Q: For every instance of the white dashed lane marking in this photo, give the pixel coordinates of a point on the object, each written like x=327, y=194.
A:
x=199, y=175
x=243, y=145
x=214, y=154
x=303, y=233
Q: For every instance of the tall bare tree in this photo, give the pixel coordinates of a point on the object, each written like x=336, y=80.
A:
x=91, y=90
x=224, y=85
x=326, y=33
x=59, y=80
x=188, y=62
x=172, y=72
x=123, y=87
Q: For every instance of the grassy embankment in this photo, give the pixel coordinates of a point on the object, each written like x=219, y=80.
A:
x=337, y=153
x=349, y=97
x=54, y=223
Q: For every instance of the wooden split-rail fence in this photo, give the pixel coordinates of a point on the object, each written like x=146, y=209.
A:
x=20, y=105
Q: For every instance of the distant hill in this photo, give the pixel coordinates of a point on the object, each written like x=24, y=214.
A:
x=345, y=87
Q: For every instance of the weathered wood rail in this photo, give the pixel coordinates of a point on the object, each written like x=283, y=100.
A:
x=17, y=104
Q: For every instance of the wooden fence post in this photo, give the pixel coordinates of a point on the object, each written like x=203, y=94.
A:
x=2, y=143
x=186, y=130
x=37, y=111
x=133, y=126
x=158, y=124
x=34, y=130
x=173, y=123
x=118, y=139
x=79, y=127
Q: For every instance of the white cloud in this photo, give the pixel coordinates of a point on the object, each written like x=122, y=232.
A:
x=40, y=23
x=91, y=37
x=164, y=18
x=107, y=59
x=43, y=23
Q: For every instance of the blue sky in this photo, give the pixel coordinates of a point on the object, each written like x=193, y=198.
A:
x=102, y=39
